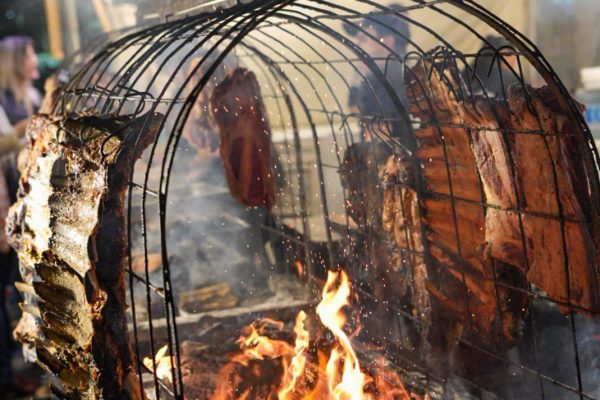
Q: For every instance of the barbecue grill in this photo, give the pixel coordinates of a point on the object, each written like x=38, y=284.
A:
x=200, y=265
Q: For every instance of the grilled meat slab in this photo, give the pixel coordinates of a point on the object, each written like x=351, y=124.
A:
x=461, y=174
x=68, y=227
x=507, y=202
x=245, y=134
x=561, y=256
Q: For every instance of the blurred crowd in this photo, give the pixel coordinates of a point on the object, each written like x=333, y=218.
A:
x=19, y=100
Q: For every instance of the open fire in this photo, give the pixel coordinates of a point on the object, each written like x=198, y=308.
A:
x=162, y=363
x=309, y=370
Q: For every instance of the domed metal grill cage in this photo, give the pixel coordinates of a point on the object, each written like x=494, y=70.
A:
x=452, y=178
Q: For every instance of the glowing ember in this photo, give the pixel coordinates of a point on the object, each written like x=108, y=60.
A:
x=299, y=268
x=164, y=364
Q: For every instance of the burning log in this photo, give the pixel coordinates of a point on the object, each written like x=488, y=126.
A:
x=68, y=229
x=268, y=361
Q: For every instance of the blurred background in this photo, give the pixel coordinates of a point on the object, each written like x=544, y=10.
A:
x=562, y=29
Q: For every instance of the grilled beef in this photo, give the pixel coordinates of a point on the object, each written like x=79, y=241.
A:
x=459, y=163
x=507, y=202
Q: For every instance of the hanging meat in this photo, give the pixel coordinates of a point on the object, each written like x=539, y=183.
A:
x=483, y=161
x=245, y=135
x=463, y=277
x=372, y=249
x=389, y=242
x=68, y=227
x=402, y=223
x=559, y=255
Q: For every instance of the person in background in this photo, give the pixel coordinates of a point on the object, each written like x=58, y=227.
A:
x=496, y=74
x=19, y=100
x=384, y=38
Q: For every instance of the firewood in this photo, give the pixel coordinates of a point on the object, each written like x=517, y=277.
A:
x=208, y=298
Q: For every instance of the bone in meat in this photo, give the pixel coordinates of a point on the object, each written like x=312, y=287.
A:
x=360, y=169
x=553, y=179
x=448, y=164
x=401, y=221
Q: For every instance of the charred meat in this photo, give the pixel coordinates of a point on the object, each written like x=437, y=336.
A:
x=68, y=227
x=245, y=134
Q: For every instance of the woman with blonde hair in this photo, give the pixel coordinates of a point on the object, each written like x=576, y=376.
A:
x=19, y=100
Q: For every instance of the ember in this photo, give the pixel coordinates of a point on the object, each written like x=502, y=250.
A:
x=299, y=268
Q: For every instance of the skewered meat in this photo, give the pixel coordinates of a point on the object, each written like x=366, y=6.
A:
x=68, y=228
x=390, y=243
x=543, y=181
x=401, y=221
x=360, y=170
x=245, y=134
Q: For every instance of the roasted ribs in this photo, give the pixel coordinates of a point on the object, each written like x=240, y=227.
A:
x=381, y=201
x=68, y=227
x=507, y=202
x=402, y=223
x=560, y=256
x=466, y=281
x=245, y=135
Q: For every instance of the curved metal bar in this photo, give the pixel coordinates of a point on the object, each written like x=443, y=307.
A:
x=158, y=41
x=332, y=92
x=244, y=26
x=107, y=56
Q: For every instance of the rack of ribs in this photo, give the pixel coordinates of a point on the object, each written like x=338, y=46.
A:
x=68, y=228
x=506, y=202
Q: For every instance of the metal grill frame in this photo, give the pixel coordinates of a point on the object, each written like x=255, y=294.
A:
x=237, y=30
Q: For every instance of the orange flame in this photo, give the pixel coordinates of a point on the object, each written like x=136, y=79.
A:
x=345, y=378
x=298, y=361
x=339, y=376
x=164, y=364
x=255, y=346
